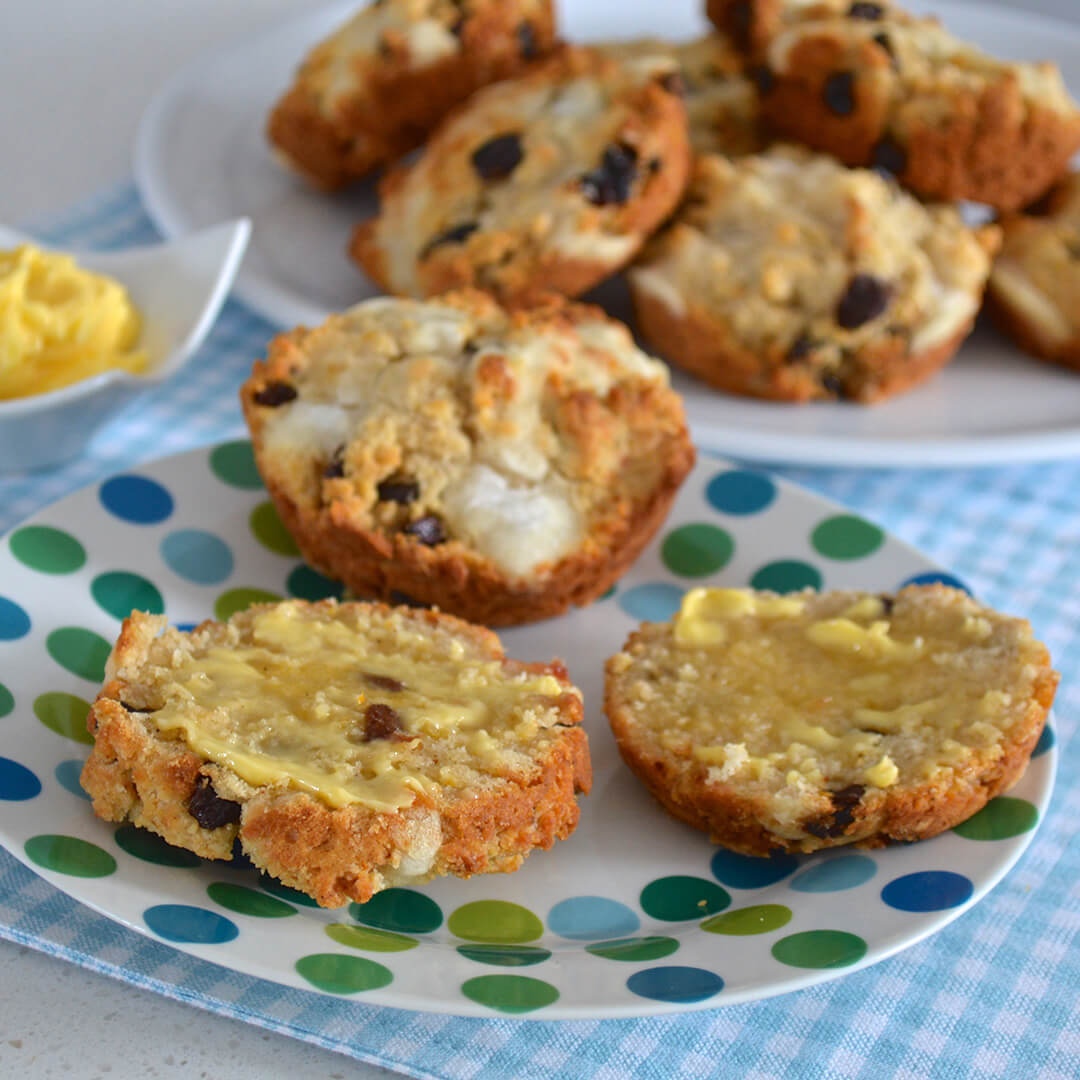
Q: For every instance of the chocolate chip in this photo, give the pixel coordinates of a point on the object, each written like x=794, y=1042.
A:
x=457, y=26
x=834, y=385
x=398, y=491
x=801, y=347
x=654, y=166
x=866, y=298
x=764, y=79
x=526, y=36
x=674, y=83
x=456, y=234
x=383, y=682
x=863, y=10
x=380, y=722
x=239, y=860
x=612, y=181
x=839, y=93
x=428, y=530
x=498, y=157
x=889, y=157
x=208, y=808
x=740, y=20
x=845, y=801
x=887, y=603
x=336, y=465
x=274, y=394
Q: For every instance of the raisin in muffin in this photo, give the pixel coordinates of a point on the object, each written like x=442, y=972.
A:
x=374, y=89
x=810, y=720
x=502, y=466
x=876, y=86
x=547, y=182
x=786, y=275
x=344, y=747
x=1034, y=289
x=721, y=101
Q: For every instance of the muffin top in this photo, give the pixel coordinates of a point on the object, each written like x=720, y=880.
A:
x=512, y=437
x=549, y=181
x=399, y=34
x=806, y=260
x=917, y=57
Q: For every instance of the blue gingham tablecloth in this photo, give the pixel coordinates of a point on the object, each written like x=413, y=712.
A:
x=995, y=994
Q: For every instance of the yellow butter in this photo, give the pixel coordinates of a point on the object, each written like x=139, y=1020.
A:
x=289, y=708
x=702, y=615
x=60, y=323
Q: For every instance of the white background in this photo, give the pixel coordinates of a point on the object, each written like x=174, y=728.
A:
x=74, y=78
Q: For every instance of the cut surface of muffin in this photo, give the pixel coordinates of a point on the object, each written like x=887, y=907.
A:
x=501, y=465
x=347, y=747
x=876, y=86
x=376, y=87
x=787, y=275
x=547, y=182
x=810, y=720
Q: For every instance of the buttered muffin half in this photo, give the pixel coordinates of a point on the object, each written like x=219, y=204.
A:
x=811, y=720
x=502, y=465
x=344, y=748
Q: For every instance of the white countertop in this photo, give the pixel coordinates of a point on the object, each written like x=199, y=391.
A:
x=74, y=80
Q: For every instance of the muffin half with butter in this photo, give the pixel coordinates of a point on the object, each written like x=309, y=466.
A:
x=812, y=720
x=345, y=747
x=499, y=465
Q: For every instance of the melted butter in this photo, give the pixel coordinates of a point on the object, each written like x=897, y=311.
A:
x=774, y=689
x=289, y=708
x=701, y=618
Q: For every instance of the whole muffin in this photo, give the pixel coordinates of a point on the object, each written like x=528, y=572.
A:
x=1034, y=289
x=500, y=465
x=786, y=275
x=548, y=182
x=376, y=87
x=874, y=85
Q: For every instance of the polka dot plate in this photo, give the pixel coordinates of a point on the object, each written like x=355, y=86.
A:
x=634, y=914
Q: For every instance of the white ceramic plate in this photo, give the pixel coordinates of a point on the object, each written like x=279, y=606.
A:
x=201, y=156
x=634, y=914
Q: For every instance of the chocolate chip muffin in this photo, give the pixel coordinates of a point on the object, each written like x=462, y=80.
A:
x=876, y=86
x=547, y=182
x=786, y=275
x=500, y=465
x=1034, y=290
x=720, y=98
x=377, y=86
x=807, y=721
x=343, y=747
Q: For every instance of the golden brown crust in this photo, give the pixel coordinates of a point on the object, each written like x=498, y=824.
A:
x=136, y=773
x=991, y=146
x=870, y=818
x=751, y=24
x=630, y=446
x=395, y=103
x=704, y=347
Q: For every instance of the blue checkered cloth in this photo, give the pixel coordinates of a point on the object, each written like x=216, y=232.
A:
x=995, y=994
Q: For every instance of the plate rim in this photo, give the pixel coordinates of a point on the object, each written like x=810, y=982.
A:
x=888, y=946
